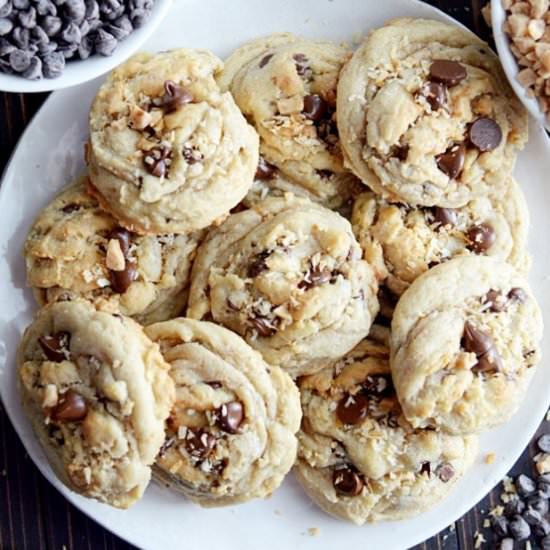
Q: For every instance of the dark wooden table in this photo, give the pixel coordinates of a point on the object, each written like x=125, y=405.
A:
x=34, y=516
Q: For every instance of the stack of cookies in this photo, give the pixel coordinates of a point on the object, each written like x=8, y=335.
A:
x=305, y=256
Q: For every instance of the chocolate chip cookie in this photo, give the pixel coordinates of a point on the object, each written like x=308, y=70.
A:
x=231, y=433
x=287, y=275
x=426, y=115
x=286, y=86
x=75, y=248
x=97, y=392
x=401, y=242
x=359, y=459
x=465, y=342
x=169, y=152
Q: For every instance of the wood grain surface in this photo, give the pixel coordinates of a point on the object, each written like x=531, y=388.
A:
x=34, y=516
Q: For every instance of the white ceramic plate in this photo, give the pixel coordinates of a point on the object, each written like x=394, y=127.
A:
x=79, y=71
x=50, y=155
x=509, y=63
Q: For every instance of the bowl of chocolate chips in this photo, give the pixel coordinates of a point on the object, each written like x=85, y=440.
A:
x=52, y=44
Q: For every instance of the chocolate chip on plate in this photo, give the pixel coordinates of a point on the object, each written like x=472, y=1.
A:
x=514, y=506
x=258, y=264
x=531, y=516
x=70, y=408
x=55, y=346
x=499, y=525
x=199, y=443
x=481, y=238
x=542, y=528
x=426, y=468
x=315, y=277
x=230, y=416
x=400, y=152
x=315, y=107
x=174, y=97
x=435, y=94
x=352, y=409
x=301, y=62
x=495, y=300
x=543, y=485
x=475, y=340
x=123, y=237
x=525, y=486
x=378, y=384
x=517, y=294
x=543, y=443
x=445, y=216
x=263, y=325
x=265, y=170
x=447, y=72
x=538, y=502
x=121, y=280
x=265, y=60
x=445, y=472
x=489, y=362
x=451, y=161
x=157, y=161
x=519, y=528
x=347, y=482
x=485, y=134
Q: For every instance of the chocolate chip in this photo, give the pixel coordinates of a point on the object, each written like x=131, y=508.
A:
x=55, y=346
x=531, y=516
x=445, y=472
x=538, y=502
x=315, y=107
x=265, y=170
x=230, y=416
x=447, y=72
x=199, y=443
x=445, y=216
x=352, y=409
x=519, y=528
x=451, y=161
x=265, y=60
x=485, y=134
x=214, y=384
x=542, y=528
x=191, y=156
x=506, y=544
x=543, y=443
x=70, y=408
x=315, y=277
x=514, y=506
x=378, y=384
x=495, y=301
x=517, y=295
x=121, y=280
x=499, y=524
x=324, y=174
x=481, y=238
x=174, y=97
x=435, y=94
x=157, y=161
x=263, y=325
x=123, y=237
x=476, y=341
x=70, y=208
x=426, y=468
x=301, y=62
x=168, y=443
x=258, y=264
x=525, y=486
x=489, y=362
x=400, y=152
x=347, y=482
x=543, y=485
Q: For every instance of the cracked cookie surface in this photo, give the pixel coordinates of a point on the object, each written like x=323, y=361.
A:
x=465, y=341
x=231, y=433
x=169, y=152
x=97, y=392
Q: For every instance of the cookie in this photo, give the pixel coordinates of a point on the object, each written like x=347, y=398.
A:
x=286, y=86
x=359, y=459
x=287, y=275
x=426, y=115
x=403, y=241
x=169, y=152
x=75, y=248
x=465, y=341
x=97, y=393
x=231, y=434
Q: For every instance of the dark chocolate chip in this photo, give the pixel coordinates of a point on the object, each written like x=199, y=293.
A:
x=199, y=443
x=347, y=482
x=400, y=152
x=174, y=96
x=258, y=264
x=481, y=238
x=538, y=502
x=191, y=156
x=121, y=280
x=485, y=134
x=265, y=60
x=445, y=472
x=514, y=507
x=525, y=486
x=426, y=468
x=263, y=325
x=447, y=72
x=315, y=277
x=543, y=485
x=352, y=409
x=265, y=170
x=519, y=528
x=543, y=443
x=70, y=208
x=55, y=346
x=451, y=161
x=123, y=237
x=230, y=416
x=157, y=161
x=476, y=341
x=495, y=300
x=215, y=384
x=517, y=295
x=542, y=528
x=499, y=525
x=489, y=362
x=531, y=516
x=445, y=216
x=378, y=384
x=324, y=174
x=315, y=107
x=70, y=408
x=435, y=94
x=301, y=62
x=168, y=443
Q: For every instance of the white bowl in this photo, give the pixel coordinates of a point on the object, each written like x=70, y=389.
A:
x=509, y=63
x=79, y=71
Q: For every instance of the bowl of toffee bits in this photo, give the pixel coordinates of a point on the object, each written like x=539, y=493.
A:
x=52, y=44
